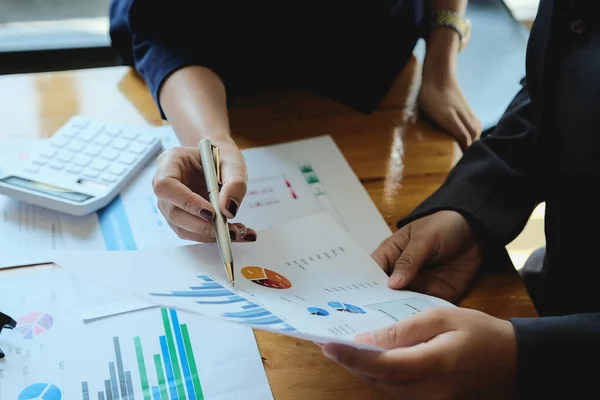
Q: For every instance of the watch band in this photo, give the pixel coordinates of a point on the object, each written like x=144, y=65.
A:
x=452, y=20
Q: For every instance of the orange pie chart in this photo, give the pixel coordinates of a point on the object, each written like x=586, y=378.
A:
x=266, y=277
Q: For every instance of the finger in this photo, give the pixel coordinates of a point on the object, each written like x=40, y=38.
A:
x=187, y=235
x=470, y=123
x=408, y=264
x=234, y=177
x=401, y=365
x=168, y=188
x=186, y=221
x=242, y=233
x=414, y=330
x=389, y=250
x=456, y=128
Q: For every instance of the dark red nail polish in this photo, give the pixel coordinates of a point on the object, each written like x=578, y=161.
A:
x=250, y=237
x=232, y=235
x=232, y=206
x=207, y=215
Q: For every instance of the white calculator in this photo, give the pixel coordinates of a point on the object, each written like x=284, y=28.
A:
x=82, y=167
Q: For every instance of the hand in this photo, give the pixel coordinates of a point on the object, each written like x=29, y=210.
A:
x=442, y=353
x=442, y=100
x=438, y=255
x=182, y=196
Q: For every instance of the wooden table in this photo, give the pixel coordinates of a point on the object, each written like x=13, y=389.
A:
x=398, y=160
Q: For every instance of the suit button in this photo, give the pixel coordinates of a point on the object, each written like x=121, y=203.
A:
x=578, y=26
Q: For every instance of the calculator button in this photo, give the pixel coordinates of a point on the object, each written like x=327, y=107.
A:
x=146, y=139
x=130, y=135
x=103, y=140
x=32, y=169
x=58, y=142
x=119, y=144
x=49, y=153
x=137, y=148
x=112, y=131
x=76, y=147
x=127, y=159
x=74, y=169
x=56, y=164
x=82, y=160
x=93, y=150
x=87, y=135
x=108, y=178
x=109, y=154
x=79, y=122
x=117, y=169
x=65, y=156
x=40, y=161
x=69, y=132
x=91, y=174
x=99, y=165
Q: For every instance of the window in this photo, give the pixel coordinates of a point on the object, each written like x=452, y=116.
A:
x=32, y=25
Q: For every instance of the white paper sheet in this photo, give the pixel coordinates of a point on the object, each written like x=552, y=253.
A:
x=53, y=355
x=307, y=278
x=286, y=182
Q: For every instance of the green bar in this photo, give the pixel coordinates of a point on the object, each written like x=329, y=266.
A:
x=173, y=354
x=192, y=361
x=142, y=368
x=160, y=373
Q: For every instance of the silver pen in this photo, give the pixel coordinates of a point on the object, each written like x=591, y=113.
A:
x=211, y=163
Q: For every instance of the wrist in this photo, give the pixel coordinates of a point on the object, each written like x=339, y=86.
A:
x=442, y=50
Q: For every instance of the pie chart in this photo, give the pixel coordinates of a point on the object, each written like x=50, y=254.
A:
x=266, y=277
x=33, y=324
x=345, y=307
x=317, y=311
x=40, y=391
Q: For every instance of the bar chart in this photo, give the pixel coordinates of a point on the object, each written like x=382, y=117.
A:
x=171, y=374
x=211, y=292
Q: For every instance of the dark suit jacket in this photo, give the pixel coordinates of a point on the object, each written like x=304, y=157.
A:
x=348, y=51
x=546, y=148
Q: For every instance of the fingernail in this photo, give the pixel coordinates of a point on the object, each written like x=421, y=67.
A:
x=232, y=206
x=232, y=235
x=250, y=237
x=206, y=214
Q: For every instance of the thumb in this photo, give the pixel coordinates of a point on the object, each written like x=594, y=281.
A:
x=416, y=329
x=408, y=264
x=234, y=176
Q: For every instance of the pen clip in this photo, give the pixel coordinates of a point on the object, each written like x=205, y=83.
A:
x=217, y=159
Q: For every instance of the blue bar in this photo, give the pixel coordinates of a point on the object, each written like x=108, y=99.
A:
x=85, y=391
x=168, y=367
x=249, y=306
x=234, y=299
x=155, y=393
x=187, y=374
x=113, y=381
x=209, y=285
x=289, y=328
x=100, y=395
x=260, y=312
x=265, y=321
x=206, y=278
x=115, y=227
x=212, y=293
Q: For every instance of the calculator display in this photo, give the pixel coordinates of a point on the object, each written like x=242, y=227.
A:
x=39, y=187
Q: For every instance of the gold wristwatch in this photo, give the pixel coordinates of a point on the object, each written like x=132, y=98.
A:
x=452, y=20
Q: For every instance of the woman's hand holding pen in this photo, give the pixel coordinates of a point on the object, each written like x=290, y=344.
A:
x=180, y=186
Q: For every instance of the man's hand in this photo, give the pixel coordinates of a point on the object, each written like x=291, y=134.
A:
x=438, y=255
x=442, y=353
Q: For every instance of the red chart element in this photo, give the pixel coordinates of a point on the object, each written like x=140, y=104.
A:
x=266, y=277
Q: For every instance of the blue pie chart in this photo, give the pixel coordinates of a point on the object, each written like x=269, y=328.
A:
x=317, y=311
x=40, y=391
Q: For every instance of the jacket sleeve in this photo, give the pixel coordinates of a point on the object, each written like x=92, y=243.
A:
x=153, y=36
x=558, y=356
x=492, y=185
